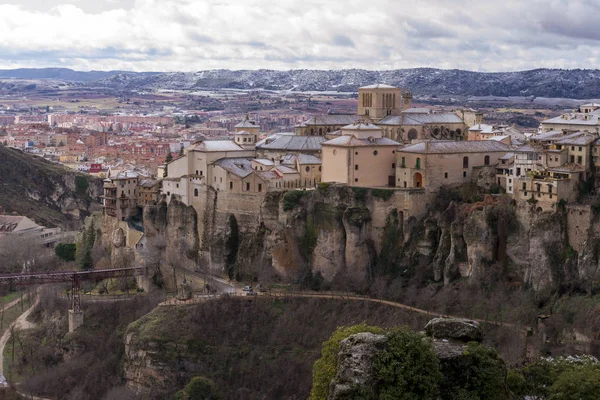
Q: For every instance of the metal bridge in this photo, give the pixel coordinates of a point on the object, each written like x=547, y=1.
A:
x=75, y=277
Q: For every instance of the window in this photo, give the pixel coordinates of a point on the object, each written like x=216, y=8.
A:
x=465, y=162
x=196, y=172
x=201, y=173
x=518, y=171
x=572, y=148
x=307, y=169
x=356, y=167
x=524, y=186
x=168, y=193
x=404, y=183
x=247, y=186
x=230, y=185
x=375, y=152
x=418, y=163
x=550, y=189
x=572, y=158
x=356, y=153
x=579, y=159
x=403, y=162
x=486, y=161
x=393, y=165
x=445, y=175
x=355, y=179
x=539, y=187
x=260, y=187
x=177, y=185
x=220, y=180
x=195, y=192
x=464, y=174
x=319, y=169
x=579, y=148
x=525, y=194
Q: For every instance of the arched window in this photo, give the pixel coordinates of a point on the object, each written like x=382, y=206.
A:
x=418, y=165
x=465, y=162
x=375, y=152
x=196, y=192
x=412, y=134
x=307, y=169
x=486, y=160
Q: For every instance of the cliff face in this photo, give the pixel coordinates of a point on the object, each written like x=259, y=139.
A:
x=340, y=234
x=46, y=192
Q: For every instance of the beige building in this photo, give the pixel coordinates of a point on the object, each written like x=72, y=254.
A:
x=360, y=156
x=432, y=164
x=422, y=123
x=120, y=194
x=378, y=101
x=586, y=119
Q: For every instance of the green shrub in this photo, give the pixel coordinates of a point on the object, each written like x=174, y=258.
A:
x=292, y=199
x=325, y=368
x=81, y=184
x=478, y=374
x=322, y=186
x=382, y=194
x=408, y=368
x=66, y=251
x=199, y=388
x=578, y=383
x=360, y=194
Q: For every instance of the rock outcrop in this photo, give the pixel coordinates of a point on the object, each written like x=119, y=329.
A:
x=355, y=364
x=455, y=329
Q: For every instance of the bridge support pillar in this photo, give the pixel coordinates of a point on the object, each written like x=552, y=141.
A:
x=75, y=320
x=143, y=282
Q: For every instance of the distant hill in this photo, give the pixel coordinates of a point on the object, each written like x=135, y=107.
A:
x=46, y=192
x=557, y=83
x=577, y=84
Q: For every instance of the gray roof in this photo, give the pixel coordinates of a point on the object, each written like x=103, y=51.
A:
x=581, y=140
x=264, y=161
x=148, y=183
x=291, y=142
x=334, y=119
x=351, y=141
x=449, y=146
x=422, y=119
x=551, y=135
x=284, y=169
x=217, y=145
x=378, y=86
x=361, y=126
x=576, y=119
x=241, y=167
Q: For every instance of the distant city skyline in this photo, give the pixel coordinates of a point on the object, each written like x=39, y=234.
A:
x=190, y=35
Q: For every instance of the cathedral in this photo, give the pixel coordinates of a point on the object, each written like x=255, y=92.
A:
x=391, y=109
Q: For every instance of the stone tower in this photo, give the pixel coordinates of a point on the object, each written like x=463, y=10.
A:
x=378, y=101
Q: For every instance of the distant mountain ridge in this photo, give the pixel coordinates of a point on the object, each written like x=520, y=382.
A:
x=575, y=84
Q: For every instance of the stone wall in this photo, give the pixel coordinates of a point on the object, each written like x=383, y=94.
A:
x=579, y=224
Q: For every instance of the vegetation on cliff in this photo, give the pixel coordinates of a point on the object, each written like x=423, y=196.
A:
x=259, y=349
x=46, y=192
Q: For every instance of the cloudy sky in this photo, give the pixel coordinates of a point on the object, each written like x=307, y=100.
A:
x=190, y=35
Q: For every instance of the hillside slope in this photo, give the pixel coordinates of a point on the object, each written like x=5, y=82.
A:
x=576, y=84
x=45, y=192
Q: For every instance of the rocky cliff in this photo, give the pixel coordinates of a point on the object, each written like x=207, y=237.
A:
x=350, y=236
x=46, y=192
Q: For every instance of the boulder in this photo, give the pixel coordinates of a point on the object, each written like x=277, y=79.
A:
x=455, y=329
x=355, y=370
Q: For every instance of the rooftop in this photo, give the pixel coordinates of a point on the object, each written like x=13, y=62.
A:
x=215, y=146
x=449, y=147
x=378, y=86
x=291, y=142
x=352, y=141
x=241, y=167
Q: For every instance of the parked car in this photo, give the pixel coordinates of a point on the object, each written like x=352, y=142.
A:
x=247, y=289
x=251, y=293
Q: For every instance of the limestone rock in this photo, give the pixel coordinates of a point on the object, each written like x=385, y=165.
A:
x=454, y=328
x=118, y=238
x=355, y=370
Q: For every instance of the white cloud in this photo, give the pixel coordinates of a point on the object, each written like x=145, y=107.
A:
x=163, y=35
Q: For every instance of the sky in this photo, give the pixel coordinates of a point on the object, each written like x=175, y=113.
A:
x=193, y=35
